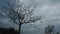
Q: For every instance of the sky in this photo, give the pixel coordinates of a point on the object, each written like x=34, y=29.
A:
x=50, y=11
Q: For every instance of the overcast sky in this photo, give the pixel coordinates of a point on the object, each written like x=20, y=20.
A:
x=49, y=9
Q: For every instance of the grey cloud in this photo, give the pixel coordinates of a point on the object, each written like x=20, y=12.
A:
x=55, y=0
x=50, y=9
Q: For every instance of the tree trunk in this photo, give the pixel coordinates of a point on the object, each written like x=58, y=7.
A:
x=19, y=30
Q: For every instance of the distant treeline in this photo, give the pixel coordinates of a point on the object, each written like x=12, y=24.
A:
x=8, y=31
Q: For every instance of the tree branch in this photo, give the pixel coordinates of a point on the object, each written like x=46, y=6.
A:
x=15, y=22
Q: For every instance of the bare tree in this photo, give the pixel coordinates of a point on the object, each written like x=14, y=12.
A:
x=57, y=33
x=21, y=15
x=49, y=29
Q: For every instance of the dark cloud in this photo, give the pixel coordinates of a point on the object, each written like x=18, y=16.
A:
x=3, y=25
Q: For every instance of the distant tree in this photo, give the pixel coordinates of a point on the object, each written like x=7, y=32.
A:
x=8, y=31
x=49, y=29
x=20, y=15
x=57, y=33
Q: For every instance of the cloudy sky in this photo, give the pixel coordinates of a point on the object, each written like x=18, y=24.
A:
x=49, y=9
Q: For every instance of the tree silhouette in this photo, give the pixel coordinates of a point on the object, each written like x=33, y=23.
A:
x=49, y=29
x=8, y=31
x=20, y=15
x=57, y=33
